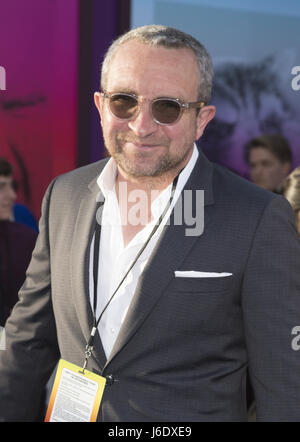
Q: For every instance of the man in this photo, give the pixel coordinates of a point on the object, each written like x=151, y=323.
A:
x=16, y=244
x=180, y=313
x=270, y=159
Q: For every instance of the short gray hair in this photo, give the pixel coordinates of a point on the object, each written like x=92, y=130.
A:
x=164, y=36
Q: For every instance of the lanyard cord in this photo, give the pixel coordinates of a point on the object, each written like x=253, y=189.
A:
x=90, y=343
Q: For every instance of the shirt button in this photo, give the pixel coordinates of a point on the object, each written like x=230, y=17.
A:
x=112, y=330
x=109, y=379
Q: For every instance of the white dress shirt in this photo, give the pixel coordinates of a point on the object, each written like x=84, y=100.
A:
x=115, y=259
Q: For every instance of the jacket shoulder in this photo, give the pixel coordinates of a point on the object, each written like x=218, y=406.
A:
x=83, y=175
x=230, y=186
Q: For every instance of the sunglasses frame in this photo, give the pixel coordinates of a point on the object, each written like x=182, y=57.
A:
x=183, y=105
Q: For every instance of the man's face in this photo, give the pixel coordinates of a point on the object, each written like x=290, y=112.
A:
x=141, y=147
x=7, y=197
x=266, y=170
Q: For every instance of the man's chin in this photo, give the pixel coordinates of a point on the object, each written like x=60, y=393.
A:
x=139, y=171
x=6, y=215
x=140, y=166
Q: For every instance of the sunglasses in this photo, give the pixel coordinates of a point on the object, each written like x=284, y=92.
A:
x=164, y=111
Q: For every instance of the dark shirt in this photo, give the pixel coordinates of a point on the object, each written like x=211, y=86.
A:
x=16, y=245
x=23, y=215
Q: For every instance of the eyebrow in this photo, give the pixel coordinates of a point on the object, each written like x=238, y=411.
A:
x=132, y=92
x=124, y=91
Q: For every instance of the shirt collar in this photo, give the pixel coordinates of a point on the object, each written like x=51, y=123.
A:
x=107, y=178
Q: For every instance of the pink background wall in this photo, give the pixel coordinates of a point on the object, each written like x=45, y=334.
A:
x=38, y=109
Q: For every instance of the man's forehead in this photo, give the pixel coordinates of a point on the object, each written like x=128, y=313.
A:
x=163, y=70
x=133, y=48
x=261, y=153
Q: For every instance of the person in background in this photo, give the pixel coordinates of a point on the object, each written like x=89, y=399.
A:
x=16, y=244
x=269, y=158
x=23, y=215
x=291, y=191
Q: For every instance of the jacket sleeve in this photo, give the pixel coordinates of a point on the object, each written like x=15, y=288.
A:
x=271, y=308
x=31, y=349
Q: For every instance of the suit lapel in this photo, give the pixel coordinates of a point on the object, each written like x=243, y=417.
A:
x=79, y=264
x=169, y=253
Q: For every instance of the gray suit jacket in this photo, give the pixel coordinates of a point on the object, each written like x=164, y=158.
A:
x=185, y=345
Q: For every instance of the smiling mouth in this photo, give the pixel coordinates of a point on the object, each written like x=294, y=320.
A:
x=143, y=146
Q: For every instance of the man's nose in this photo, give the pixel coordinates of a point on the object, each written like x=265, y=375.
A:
x=143, y=124
x=256, y=170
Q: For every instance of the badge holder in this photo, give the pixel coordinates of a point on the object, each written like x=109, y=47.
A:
x=76, y=393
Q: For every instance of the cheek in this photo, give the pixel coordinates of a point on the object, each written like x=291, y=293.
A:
x=274, y=172
x=171, y=132
x=182, y=132
x=267, y=172
x=111, y=126
x=106, y=119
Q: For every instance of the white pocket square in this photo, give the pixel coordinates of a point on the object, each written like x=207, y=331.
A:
x=195, y=274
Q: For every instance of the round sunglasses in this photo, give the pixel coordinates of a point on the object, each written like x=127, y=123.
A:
x=164, y=111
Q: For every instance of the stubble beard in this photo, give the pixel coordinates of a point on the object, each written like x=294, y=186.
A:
x=143, y=164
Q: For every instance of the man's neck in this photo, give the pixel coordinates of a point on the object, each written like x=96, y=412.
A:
x=146, y=184
x=131, y=192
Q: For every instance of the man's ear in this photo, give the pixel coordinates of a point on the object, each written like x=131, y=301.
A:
x=205, y=115
x=98, y=99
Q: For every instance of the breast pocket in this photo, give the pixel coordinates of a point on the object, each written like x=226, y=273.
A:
x=202, y=285
x=200, y=306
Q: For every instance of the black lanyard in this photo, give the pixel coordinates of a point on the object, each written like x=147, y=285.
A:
x=90, y=344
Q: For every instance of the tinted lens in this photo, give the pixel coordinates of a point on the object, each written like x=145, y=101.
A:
x=166, y=111
x=123, y=106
